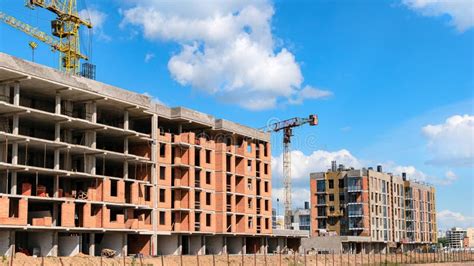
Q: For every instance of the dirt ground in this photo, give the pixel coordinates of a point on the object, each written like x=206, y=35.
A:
x=261, y=260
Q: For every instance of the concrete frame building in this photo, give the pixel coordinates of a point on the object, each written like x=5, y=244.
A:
x=86, y=166
x=372, y=210
x=455, y=237
x=301, y=219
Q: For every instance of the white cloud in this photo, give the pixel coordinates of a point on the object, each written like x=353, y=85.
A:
x=227, y=50
x=450, y=177
x=309, y=92
x=301, y=167
x=97, y=18
x=154, y=99
x=461, y=12
x=448, y=219
x=318, y=161
x=298, y=196
x=452, y=142
x=149, y=57
x=411, y=171
x=414, y=174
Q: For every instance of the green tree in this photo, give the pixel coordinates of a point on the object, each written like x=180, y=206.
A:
x=443, y=241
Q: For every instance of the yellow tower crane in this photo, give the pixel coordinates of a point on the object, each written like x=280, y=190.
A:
x=65, y=32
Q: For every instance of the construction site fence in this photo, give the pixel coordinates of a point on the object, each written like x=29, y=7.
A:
x=303, y=258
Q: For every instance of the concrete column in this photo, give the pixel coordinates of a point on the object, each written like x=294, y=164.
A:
x=92, y=106
x=126, y=120
x=154, y=220
x=56, y=159
x=11, y=250
x=13, y=187
x=125, y=163
x=92, y=244
x=224, y=248
x=16, y=93
x=124, y=244
x=125, y=170
x=180, y=245
x=57, y=107
x=57, y=132
x=203, y=246
x=54, y=250
x=55, y=214
x=56, y=186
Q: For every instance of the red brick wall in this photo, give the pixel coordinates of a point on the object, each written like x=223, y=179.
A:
x=139, y=244
x=67, y=214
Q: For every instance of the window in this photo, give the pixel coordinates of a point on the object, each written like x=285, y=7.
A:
x=113, y=188
x=162, y=218
x=147, y=193
x=341, y=183
x=249, y=203
x=162, y=173
x=208, y=198
x=331, y=208
x=250, y=222
x=208, y=156
x=265, y=169
x=320, y=185
x=162, y=150
x=162, y=195
x=208, y=178
x=266, y=205
x=249, y=147
x=208, y=219
x=249, y=184
x=14, y=206
x=331, y=184
x=265, y=186
x=331, y=197
x=341, y=197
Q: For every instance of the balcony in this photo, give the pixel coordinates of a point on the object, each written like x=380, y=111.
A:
x=354, y=188
x=355, y=226
x=355, y=213
x=321, y=203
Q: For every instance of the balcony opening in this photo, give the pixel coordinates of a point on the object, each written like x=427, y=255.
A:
x=162, y=195
x=162, y=150
x=208, y=156
x=208, y=219
x=162, y=173
x=113, y=188
x=208, y=178
x=208, y=198
x=162, y=218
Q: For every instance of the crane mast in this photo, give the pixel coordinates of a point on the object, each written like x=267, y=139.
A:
x=287, y=127
x=65, y=31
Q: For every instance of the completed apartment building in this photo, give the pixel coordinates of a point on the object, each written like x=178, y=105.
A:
x=372, y=210
x=86, y=166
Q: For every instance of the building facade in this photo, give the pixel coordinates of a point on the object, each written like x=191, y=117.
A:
x=301, y=219
x=86, y=165
x=371, y=209
x=456, y=237
x=470, y=236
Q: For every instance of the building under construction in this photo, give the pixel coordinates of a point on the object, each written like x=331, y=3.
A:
x=372, y=211
x=86, y=166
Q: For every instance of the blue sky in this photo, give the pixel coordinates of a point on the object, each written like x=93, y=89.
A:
x=392, y=81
